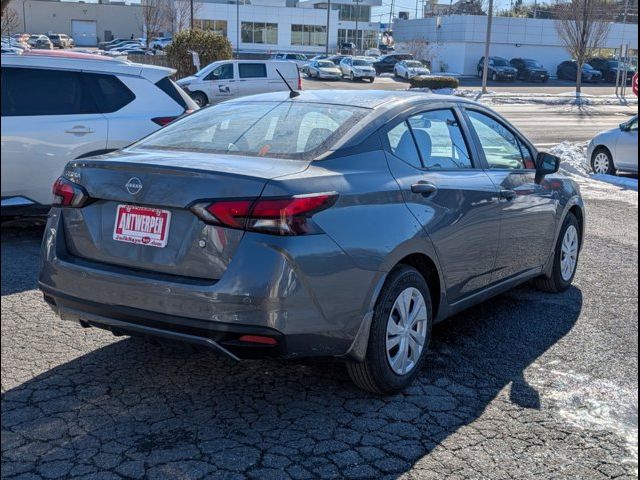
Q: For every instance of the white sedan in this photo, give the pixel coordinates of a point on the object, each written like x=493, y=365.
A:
x=409, y=68
x=357, y=68
x=615, y=149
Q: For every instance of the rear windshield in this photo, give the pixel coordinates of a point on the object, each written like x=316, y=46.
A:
x=533, y=63
x=298, y=131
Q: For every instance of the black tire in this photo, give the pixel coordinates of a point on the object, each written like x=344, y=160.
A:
x=406, y=76
x=374, y=374
x=611, y=170
x=555, y=283
x=200, y=98
x=372, y=79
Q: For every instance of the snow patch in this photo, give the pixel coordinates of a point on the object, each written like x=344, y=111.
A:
x=625, y=182
x=573, y=158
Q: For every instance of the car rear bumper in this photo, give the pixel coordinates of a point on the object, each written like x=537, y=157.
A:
x=307, y=293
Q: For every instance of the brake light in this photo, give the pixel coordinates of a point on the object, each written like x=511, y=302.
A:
x=299, y=81
x=278, y=216
x=68, y=194
x=162, y=121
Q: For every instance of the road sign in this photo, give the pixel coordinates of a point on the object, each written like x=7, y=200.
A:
x=634, y=84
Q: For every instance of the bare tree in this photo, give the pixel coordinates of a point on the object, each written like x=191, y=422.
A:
x=181, y=11
x=10, y=22
x=583, y=26
x=3, y=5
x=420, y=49
x=154, y=18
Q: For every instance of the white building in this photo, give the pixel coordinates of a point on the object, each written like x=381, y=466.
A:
x=288, y=25
x=456, y=42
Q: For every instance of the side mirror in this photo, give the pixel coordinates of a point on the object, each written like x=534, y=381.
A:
x=546, y=164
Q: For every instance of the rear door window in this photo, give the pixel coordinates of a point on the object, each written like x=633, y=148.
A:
x=252, y=70
x=35, y=92
x=173, y=91
x=440, y=140
x=403, y=145
x=109, y=92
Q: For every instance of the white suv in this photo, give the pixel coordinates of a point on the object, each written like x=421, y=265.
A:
x=60, y=106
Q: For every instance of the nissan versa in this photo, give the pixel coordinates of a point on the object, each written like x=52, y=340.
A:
x=311, y=226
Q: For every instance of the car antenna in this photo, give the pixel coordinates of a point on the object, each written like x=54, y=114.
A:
x=292, y=92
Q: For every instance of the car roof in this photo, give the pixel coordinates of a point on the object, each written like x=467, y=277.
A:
x=65, y=60
x=356, y=98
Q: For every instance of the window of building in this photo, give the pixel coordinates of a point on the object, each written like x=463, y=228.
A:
x=258, y=32
x=216, y=26
x=366, y=38
x=309, y=35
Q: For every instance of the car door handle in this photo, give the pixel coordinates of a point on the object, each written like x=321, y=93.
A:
x=508, y=194
x=424, y=188
x=79, y=130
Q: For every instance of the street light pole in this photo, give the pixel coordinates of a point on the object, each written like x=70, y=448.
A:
x=357, y=2
x=485, y=64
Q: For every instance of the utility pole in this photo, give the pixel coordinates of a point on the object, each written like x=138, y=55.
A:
x=357, y=2
x=326, y=51
x=237, y=29
x=191, y=13
x=391, y=15
x=535, y=8
x=487, y=44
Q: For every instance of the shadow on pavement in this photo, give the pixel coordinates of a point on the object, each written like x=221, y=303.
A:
x=134, y=409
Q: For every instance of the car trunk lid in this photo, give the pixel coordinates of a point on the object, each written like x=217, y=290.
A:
x=142, y=184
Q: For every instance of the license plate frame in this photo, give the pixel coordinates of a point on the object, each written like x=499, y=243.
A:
x=140, y=225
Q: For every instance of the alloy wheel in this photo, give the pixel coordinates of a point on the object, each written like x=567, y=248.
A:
x=569, y=253
x=406, y=331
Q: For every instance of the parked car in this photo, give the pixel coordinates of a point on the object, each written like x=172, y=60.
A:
x=305, y=68
x=253, y=228
x=336, y=59
x=227, y=79
x=297, y=58
x=386, y=63
x=609, y=68
x=160, y=43
x=409, y=68
x=104, y=45
x=125, y=44
x=372, y=52
x=615, y=149
x=499, y=69
x=324, y=70
x=529, y=70
x=386, y=49
x=41, y=42
x=357, y=68
x=60, y=40
x=21, y=37
x=347, y=48
x=568, y=70
x=59, y=106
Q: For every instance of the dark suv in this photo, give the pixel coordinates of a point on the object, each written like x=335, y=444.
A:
x=499, y=69
x=568, y=70
x=609, y=68
x=386, y=63
x=529, y=70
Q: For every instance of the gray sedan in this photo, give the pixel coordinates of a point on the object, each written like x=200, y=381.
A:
x=331, y=223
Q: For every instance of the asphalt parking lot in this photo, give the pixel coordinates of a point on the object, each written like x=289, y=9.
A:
x=526, y=385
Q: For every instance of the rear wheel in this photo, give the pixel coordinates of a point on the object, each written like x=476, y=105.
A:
x=372, y=79
x=565, y=260
x=399, y=335
x=602, y=162
x=200, y=98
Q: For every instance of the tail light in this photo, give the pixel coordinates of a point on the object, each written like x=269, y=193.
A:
x=162, y=121
x=278, y=216
x=68, y=194
x=299, y=81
